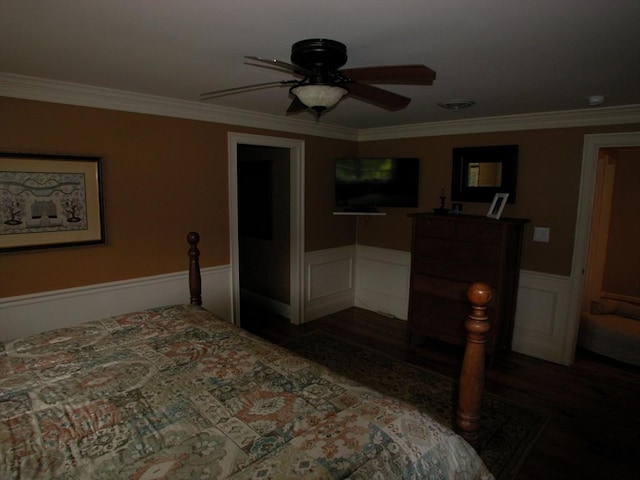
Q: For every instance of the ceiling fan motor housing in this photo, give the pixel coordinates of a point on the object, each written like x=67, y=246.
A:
x=319, y=55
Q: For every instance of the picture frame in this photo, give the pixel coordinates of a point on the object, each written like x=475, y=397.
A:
x=478, y=173
x=497, y=205
x=49, y=201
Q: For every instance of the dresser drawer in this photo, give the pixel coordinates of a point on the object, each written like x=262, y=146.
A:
x=435, y=227
x=458, y=251
x=464, y=272
x=442, y=319
x=480, y=232
x=439, y=287
x=438, y=318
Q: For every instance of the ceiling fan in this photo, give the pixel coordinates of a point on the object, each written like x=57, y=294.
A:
x=321, y=84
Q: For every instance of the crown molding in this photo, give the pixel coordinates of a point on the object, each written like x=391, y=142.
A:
x=33, y=88
x=626, y=114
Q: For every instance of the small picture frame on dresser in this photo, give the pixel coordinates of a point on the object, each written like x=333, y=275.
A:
x=495, y=210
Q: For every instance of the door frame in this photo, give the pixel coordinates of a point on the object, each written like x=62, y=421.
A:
x=592, y=144
x=296, y=225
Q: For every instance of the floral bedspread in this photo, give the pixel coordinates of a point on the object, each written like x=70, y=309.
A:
x=175, y=392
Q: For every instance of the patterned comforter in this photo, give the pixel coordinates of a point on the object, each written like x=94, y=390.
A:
x=175, y=392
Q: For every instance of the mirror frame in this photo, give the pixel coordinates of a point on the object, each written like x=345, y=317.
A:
x=507, y=155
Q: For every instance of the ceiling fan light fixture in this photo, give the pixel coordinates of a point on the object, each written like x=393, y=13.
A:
x=319, y=96
x=456, y=104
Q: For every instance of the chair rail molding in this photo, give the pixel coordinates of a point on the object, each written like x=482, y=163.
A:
x=34, y=313
x=372, y=278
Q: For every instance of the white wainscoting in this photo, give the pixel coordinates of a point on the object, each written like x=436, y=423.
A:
x=329, y=281
x=377, y=279
x=29, y=314
x=373, y=278
x=541, y=315
x=382, y=280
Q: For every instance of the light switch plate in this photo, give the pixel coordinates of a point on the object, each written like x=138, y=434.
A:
x=541, y=234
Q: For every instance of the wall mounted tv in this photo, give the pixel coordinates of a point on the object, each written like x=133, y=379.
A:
x=363, y=184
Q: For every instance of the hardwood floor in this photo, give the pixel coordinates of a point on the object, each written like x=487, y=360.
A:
x=594, y=426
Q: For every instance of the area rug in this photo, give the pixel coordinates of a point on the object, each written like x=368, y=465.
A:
x=508, y=431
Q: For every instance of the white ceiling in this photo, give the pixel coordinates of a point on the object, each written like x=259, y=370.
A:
x=510, y=56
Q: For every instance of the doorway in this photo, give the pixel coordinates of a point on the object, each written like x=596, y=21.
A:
x=281, y=149
x=612, y=262
x=588, y=182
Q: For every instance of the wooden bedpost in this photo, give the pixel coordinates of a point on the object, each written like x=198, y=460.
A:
x=472, y=375
x=195, y=283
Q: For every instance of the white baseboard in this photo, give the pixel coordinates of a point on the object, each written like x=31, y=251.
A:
x=34, y=313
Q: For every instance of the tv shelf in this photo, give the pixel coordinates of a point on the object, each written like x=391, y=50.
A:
x=359, y=213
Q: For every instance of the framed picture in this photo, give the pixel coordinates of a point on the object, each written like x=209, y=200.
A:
x=499, y=200
x=50, y=201
x=478, y=173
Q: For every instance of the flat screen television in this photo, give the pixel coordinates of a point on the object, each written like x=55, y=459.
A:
x=363, y=184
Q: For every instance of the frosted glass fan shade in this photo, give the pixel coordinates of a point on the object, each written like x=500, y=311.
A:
x=323, y=96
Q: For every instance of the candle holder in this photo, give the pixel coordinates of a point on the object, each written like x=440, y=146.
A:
x=441, y=210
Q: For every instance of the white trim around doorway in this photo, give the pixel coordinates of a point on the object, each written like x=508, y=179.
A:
x=592, y=144
x=296, y=149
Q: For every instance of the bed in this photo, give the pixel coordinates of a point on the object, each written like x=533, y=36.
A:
x=175, y=392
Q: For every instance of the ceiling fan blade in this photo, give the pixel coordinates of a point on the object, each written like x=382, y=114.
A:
x=393, y=74
x=282, y=65
x=296, y=106
x=378, y=96
x=246, y=88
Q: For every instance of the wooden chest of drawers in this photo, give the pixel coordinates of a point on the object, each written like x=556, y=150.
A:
x=449, y=252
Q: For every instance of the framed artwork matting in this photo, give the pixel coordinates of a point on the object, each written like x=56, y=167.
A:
x=50, y=201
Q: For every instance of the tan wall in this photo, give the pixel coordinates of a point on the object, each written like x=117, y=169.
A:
x=166, y=176
x=162, y=178
x=322, y=228
x=547, y=192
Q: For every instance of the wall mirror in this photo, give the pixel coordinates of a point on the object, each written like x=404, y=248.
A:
x=481, y=172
